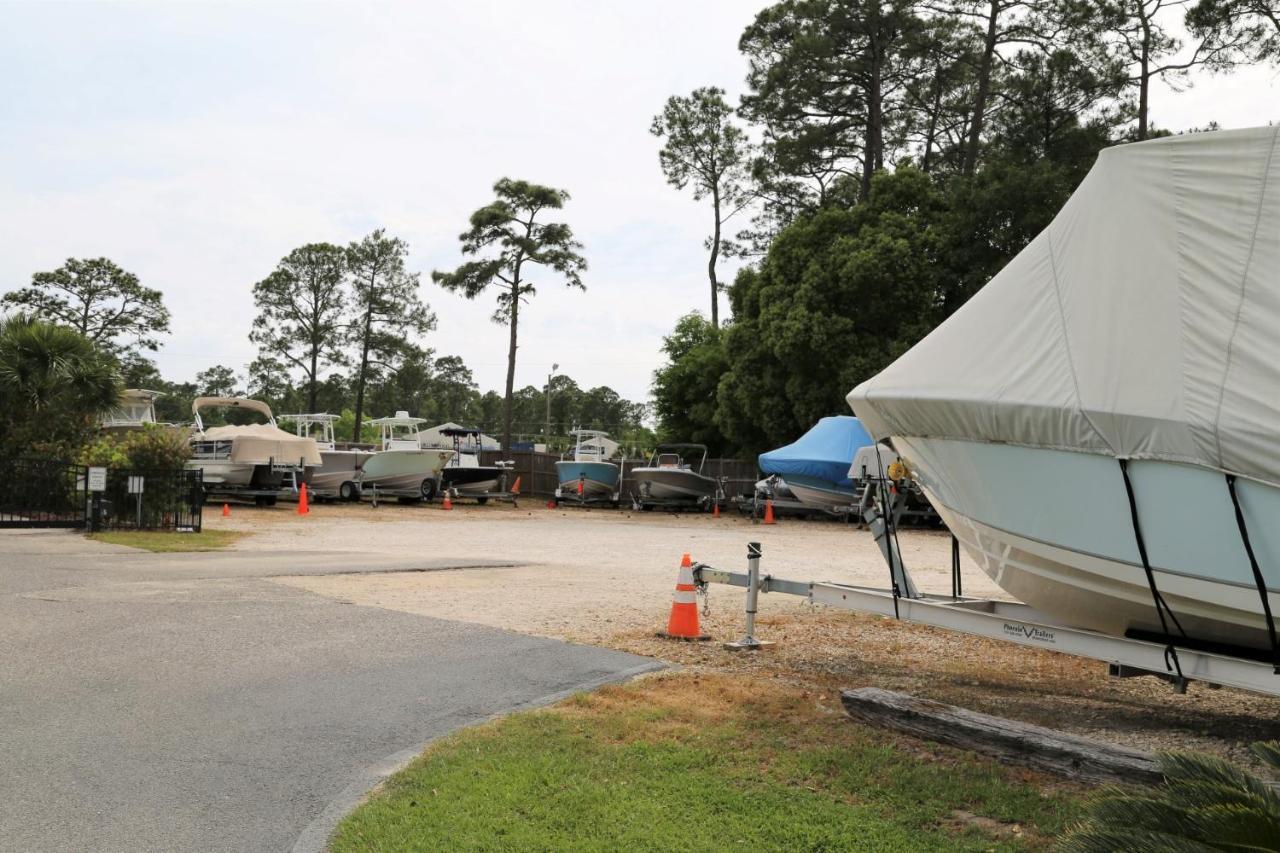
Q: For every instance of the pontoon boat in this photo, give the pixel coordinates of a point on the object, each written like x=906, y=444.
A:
x=259, y=457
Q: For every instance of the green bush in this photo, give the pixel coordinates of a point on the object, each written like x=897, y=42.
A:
x=154, y=449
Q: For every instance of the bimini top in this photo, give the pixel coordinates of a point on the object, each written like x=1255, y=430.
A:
x=1144, y=322
x=825, y=452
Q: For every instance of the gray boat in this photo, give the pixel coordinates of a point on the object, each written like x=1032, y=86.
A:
x=673, y=479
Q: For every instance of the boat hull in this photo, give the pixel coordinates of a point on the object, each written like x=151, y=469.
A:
x=471, y=481
x=1053, y=529
x=820, y=494
x=336, y=468
x=671, y=484
x=597, y=479
x=403, y=470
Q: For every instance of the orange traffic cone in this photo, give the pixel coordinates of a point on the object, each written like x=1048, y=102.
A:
x=515, y=487
x=226, y=511
x=303, y=509
x=581, y=486
x=768, y=512
x=551, y=504
x=683, y=622
x=715, y=509
x=448, y=502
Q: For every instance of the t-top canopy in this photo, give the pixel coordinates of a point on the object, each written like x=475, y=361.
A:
x=1144, y=322
x=824, y=452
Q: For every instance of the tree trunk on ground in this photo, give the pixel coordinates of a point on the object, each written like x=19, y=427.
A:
x=711, y=262
x=1009, y=741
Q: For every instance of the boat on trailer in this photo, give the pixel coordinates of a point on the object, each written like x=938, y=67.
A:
x=672, y=480
x=589, y=476
x=257, y=460
x=401, y=466
x=1100, y=425
x=339, y=472
x=815, y=468
x=463, y=475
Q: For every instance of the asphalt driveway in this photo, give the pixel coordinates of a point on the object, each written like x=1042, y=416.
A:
x=179, y=702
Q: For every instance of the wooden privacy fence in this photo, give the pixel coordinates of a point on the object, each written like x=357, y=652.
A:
x=537, y=471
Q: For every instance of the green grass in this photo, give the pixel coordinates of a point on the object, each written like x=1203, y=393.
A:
x=684, y=763
x=165, y=541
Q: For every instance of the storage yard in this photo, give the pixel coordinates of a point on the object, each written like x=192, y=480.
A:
x=605, y=578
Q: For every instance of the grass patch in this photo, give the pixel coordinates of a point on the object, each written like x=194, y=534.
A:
x=165, y=541
x=698, y=762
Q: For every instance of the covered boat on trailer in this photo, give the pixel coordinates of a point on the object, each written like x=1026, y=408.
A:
x=1100, y=425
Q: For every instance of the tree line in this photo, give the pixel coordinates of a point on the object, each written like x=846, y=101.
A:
x=343, y=329
x=887, y=158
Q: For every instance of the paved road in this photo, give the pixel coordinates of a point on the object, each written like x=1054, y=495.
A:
x=181, y=702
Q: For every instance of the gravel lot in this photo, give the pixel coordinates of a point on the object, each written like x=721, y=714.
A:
x=606, y=577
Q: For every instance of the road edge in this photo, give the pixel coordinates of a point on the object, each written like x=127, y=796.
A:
x=315, y=836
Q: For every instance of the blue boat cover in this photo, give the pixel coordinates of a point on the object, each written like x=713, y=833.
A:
x=824, y=452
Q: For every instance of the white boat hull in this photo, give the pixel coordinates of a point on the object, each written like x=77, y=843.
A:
x=403, y=470
x=337, y=467
x=223, y=472
x=671, y=484
x=1053, y=529
x=828, y=499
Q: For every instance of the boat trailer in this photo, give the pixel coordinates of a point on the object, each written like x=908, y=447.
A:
x=502, y=493
x=998, y=620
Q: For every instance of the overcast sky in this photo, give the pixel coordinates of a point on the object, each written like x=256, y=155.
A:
x=196, y=144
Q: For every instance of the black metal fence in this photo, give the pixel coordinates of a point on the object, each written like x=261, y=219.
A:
x=48, y=493
x=42, y=493
x=149, y=500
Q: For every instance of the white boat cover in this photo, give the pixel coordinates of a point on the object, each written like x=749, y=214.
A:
x=1144, y=322
x=260, y=443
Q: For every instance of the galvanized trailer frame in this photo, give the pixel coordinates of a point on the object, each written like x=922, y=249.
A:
x=998, y=620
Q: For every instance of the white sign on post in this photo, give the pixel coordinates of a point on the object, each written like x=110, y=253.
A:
x=97, y=479
x=135, y=484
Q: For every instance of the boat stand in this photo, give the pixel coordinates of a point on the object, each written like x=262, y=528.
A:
x=998, y=620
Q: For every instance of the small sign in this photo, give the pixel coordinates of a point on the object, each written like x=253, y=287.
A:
x=97, y=479
x=135, y=484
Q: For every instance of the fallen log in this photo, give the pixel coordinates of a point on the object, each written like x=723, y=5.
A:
x=1009, y=741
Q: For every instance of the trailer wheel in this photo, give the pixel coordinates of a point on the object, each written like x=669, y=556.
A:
x=349, y=491
x=428, y=489
x=482, y=501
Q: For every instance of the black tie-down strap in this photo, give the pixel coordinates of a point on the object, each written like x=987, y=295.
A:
x=1171, y=661
x=1258, y=579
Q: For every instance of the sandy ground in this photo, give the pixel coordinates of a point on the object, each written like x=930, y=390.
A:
x=605, y=577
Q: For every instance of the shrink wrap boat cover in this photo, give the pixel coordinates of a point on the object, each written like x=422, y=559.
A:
x=824, y=452
x=260, y=443
x=1144, y=322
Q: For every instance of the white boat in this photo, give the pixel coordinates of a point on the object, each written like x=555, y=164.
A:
x=401, y=465
x=136, y=409
x=1100, y=425
x=257, y=456
x=338, y=475
x=671, y=479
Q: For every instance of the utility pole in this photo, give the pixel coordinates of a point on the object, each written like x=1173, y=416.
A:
x=546, y=435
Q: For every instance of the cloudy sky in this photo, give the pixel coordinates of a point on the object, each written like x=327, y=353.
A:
x=197, y=143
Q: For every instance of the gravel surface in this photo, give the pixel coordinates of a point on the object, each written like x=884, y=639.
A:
x=606, y=577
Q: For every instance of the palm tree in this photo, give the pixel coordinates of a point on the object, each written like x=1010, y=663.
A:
x=54, y=385
x=1205, y=804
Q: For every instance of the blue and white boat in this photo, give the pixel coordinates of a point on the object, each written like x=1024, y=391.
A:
x=1100, y=425
x=589, y=475
x=816, y=466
